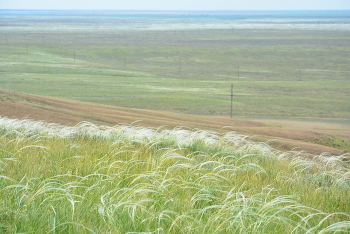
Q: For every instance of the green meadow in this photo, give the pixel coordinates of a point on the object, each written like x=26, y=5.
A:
x=130, y=179
x=275, y=73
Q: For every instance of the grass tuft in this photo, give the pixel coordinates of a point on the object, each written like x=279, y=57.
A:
x=129, y=179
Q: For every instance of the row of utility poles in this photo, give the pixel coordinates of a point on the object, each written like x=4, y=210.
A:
x=120, y=35
x=179, y=63
x=231, y=96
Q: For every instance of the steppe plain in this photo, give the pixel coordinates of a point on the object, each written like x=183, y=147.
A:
x=137, y=136
x=290, y=75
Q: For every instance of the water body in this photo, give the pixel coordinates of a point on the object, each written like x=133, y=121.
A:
x=29, y=20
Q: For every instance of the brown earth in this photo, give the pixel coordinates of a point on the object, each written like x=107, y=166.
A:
x=282, y=135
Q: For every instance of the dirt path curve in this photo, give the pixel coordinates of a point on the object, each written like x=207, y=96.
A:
x=69, y=112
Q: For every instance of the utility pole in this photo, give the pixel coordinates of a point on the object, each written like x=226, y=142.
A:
x=179, y=65
x=231, y=99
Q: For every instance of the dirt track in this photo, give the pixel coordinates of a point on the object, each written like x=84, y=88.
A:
x=68, y=112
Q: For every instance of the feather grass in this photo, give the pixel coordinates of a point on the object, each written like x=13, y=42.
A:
x=129, y=179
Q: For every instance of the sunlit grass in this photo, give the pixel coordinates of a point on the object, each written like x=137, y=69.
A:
x=129, y=179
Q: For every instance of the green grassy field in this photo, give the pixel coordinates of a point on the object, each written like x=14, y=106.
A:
x=129, y=179
x=275, y=73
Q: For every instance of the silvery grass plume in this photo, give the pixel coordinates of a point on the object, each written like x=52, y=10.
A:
x=183, y=137
x=132, y=179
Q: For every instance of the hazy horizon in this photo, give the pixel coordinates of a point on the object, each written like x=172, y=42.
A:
x=155, y=10
x=176, y=5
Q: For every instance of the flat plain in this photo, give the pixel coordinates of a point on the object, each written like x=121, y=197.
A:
x=275, y=72
x=147, y=144
x=280, y=73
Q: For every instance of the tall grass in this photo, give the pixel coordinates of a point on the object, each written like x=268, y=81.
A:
x=129, y=179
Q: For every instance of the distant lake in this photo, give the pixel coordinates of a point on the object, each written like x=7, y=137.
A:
x=29, y=20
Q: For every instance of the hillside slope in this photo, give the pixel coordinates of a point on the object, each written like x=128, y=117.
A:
x=131, y=179
x=68, y=112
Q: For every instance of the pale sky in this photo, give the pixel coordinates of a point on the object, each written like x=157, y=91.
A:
x=177, y=4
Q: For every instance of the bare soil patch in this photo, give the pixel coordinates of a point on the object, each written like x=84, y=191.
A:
x=283, y=135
